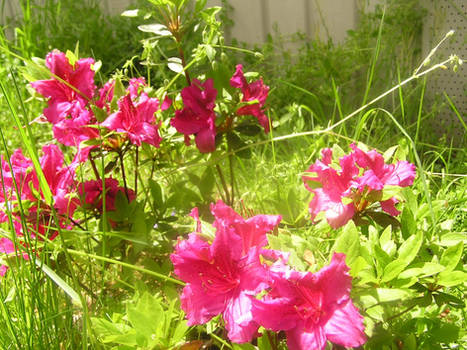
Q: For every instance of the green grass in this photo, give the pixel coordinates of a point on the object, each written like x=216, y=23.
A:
x=92, y=279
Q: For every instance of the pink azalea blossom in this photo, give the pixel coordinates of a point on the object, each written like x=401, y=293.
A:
x=252, y=230
x=223, y=276
x=71, y=131
x=7, y=248
x=255, y=91
x=79, y=84
x=311, y=308
x=106, y=94
x=60, y=180
x=136, y=119
x=334, y=186
x=79, y=79
x=68, y=92
x=91, y=192
x=198, y=116
x=343, y=193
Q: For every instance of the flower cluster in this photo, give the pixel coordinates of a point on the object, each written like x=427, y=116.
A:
x=345, y=189
x=76, y=107
x=199, y=118
x=21, y=192
x=73, y=101
x=254, y=97
x=230, y=276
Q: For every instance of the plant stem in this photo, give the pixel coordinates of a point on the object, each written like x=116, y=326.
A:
x=136, y=170
x=120, y=155
x=182, y=57
x=224, y=184
x=272, y=340
x=232, y=179
x=93, y=166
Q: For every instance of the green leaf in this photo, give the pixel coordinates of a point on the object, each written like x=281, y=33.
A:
x=452, y=238
x=72, y=58
x=409, y=249
x=155, y=28
x=376, y=312
x=130, y=13
x=248, y=129
x=348, y=242
x=147, y=316
x=175, y=65
x=392, y=294
x=210, y=52
x=387, y=244
x=444, y=298
x=246, y=346
x=410, y=342
x=451, y=256
x=408, y=223
x=235, y=143
x=381, y=256
x=422, y=269
x=206, y=183
x=156, y=194
x=389, y=153
x=60, y=282
x=264, y=343
x=35, y=70
x=452, y=278
x=99, y=113
x=180, y=329
x=393, y=269
x=445, y=332
x=383, y=219
x=119, y=89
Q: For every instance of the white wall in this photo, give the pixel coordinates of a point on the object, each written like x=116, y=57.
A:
x=254, y=19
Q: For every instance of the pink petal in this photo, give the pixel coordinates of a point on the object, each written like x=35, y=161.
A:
x=239, y=320
x=345, y=327
x=389, y=206
x=199, y=307
x=206, y=140
x=311, y=339
x=276, y=314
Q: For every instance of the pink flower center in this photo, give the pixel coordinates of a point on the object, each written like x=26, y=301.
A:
x=310, y=306
x=219, y=280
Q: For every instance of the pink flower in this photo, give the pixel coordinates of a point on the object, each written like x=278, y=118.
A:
x=252, y=230
x=311, y=308
x=198, y=117
x=106, y=94
x=60, y=180
x=136, y=119
x=91, y=192
x=73, y=129
x=135, y=86
x=21, y=171
x=377, y=174
x=343, y=193
x=7, y=248
x=334, y=186
x=256, y=91
x=68, y=92
x=79, y=75
x=224, y=276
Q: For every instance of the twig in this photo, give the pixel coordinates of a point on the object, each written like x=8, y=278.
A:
x=224, y=184
x=120, y=155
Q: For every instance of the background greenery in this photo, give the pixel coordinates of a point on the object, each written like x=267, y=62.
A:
x=316, y=86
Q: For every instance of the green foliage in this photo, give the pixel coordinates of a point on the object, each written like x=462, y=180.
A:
x=108, y=282
x=147, y=324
